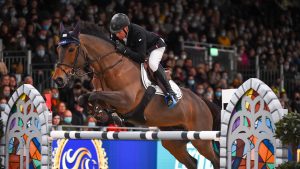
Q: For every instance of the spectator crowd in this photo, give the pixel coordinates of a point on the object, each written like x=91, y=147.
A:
x=258, y=29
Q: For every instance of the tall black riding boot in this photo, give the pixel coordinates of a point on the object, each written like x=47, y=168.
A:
x=171, y=97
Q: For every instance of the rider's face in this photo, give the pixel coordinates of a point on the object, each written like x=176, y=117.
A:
x=123, y=33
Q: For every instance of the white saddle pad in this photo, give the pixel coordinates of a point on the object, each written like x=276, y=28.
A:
x=147, y=83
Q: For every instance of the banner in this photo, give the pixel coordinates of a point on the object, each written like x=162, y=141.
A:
x=117, y=154
x=124, y=154
x=166, y=161
x=84, y=154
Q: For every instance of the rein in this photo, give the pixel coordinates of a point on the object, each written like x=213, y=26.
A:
x=88, y=61
x=98, y=59
x=100, y=74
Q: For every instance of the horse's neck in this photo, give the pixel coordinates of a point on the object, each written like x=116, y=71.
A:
x=125, y=73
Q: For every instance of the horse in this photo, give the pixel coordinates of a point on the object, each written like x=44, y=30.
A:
x=122, y=89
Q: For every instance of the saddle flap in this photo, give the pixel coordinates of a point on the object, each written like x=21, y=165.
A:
x=147, y=82
x=150, y=72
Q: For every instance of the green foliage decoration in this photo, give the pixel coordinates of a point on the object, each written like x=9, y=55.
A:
x=289, y=165
x=288, y=131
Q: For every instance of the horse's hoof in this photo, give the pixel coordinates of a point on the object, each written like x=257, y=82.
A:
x=117, y=119
x=101, y=116
x=83, y=99
x=92, y=97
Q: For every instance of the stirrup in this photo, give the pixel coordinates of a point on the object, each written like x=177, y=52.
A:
x=171, y=100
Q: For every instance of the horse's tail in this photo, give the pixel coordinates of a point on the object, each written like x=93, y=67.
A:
x=216, y=113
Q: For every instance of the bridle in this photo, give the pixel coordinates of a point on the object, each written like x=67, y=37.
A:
x=75, y=69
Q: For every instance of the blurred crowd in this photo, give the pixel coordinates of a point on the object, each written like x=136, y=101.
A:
x=255, y=28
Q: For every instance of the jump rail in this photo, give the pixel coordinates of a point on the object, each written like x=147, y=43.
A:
x=137, y=135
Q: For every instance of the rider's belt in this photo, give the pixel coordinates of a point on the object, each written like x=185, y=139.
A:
x=160, y=43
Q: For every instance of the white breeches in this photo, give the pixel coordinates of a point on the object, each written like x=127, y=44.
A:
x=155, y=58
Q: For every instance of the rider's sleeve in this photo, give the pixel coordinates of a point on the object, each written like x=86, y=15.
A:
x=139, y=53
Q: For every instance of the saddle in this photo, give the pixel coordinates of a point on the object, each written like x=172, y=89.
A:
x=148, y=79
x=153, y=79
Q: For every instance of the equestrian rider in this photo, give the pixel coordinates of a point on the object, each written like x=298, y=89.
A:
x=135, y=42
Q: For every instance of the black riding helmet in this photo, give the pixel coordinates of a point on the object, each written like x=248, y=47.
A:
x=118, y=22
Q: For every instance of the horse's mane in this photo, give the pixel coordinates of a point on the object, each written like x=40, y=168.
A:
x=93, y=29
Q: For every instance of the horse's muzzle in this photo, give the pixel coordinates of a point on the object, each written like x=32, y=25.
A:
x=60, y=82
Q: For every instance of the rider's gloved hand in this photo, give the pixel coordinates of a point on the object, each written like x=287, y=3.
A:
x=120, y=47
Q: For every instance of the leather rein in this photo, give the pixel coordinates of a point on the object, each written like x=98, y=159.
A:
x=75, y=68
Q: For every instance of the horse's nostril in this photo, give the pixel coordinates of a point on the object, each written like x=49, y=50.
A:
x=59, y=81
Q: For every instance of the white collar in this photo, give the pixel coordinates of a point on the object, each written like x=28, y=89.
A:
x=125, y=40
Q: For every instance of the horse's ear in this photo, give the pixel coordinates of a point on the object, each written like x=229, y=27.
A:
x=61, y=28
x=76, y=30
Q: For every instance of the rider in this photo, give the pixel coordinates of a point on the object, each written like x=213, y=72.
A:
x=135, y=43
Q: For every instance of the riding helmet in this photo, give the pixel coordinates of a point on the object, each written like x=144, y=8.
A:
x=118, y=22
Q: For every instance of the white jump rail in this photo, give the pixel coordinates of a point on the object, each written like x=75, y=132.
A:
x=137, y=135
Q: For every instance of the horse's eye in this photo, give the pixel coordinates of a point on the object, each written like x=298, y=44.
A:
x=71, y=49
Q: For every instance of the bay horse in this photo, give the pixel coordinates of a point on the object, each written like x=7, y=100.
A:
x=122, y=88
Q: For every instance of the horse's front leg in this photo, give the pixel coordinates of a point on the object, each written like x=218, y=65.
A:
x=116, y=99
x=100, y=110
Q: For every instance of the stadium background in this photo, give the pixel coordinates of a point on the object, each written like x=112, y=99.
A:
x=212, y=45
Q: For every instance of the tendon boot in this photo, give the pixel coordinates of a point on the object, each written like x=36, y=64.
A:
x=170, y=98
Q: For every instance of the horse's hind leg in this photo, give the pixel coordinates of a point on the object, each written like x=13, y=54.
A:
x=179, y=151
x=205, y=147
